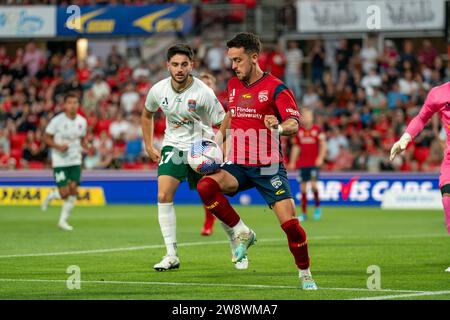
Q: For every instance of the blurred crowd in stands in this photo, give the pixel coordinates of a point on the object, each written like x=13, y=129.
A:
x=362, y=98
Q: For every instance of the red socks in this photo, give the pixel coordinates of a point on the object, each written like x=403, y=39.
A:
x=209, y=219
x=304, y=203
x=316, y=198
x=297, y=242
x=216, y=202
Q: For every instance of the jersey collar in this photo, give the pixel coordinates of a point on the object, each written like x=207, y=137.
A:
x=179, y=92
x=256, y=82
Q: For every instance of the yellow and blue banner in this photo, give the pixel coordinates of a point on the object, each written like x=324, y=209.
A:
x=121, y=20
x=34, y=195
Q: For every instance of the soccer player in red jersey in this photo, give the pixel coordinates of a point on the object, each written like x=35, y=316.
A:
x=260, y=108
x=311, y=146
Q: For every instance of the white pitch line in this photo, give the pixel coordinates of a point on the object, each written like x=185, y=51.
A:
x=418, y=294
x=200, y=284
x=201, y=243
x=156, y=246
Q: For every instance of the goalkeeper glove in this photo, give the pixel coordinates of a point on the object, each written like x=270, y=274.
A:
x=400, y=145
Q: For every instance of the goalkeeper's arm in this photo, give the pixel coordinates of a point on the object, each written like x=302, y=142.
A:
x=400, y=145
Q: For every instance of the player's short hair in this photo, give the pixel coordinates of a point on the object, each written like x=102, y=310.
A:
x=180, y=48
x=70, y=95
x=247, y=40
x=205, y=75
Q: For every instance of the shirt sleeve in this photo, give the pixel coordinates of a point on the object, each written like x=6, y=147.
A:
x=285, y=103
x=83, y=134
x=51, y=127
x=213, y=108
x=151, y=103
x=430, y=107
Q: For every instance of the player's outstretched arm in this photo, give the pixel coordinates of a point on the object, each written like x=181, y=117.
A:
x=400, y=145
x=147, y=125
x=430, y=107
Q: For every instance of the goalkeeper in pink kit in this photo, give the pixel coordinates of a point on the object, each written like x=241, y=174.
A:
x=438, y=100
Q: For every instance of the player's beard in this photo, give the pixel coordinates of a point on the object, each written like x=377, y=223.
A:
x=181, y=82
x=247, y=76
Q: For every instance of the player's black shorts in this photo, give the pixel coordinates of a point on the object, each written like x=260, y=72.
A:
x=308, y=173
x=445, y=189
x=272, y=184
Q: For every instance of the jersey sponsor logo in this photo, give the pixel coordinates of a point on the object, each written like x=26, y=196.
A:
x=276, y=182
x=263, y=96
x=165, y=103
x=247, y=96
x=192, y=105
x=215, y=204
x=34, y=195
x=247, y=112
x=293, y=112
x=232, y=95
x=183, y=122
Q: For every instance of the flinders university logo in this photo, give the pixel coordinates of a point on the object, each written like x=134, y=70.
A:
x=192, y=105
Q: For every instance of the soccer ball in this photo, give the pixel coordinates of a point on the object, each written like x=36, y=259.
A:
x=205, y=156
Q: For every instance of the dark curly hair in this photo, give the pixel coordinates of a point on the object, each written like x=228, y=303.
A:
x=249, y=41
x=180, y=48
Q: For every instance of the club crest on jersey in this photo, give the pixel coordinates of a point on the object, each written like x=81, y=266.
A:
x=276, y=182
x=263, y=96
x=192, y=105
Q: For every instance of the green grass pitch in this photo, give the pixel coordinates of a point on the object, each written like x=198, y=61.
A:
x=115, y=248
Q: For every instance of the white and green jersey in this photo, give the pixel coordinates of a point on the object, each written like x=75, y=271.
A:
x=67, y=131
x=189, y=114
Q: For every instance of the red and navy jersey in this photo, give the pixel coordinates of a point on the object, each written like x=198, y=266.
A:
x=308, y=141
x=252, y=142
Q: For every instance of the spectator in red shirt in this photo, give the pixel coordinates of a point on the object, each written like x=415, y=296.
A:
x=308, y=153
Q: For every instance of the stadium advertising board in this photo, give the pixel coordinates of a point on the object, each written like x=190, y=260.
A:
x=343, y=189
x=27, y=21
x=375, y=15
x=120, y=20
x=34, y=195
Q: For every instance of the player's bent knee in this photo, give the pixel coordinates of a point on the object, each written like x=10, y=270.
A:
x=164, y=197
x=207, y=186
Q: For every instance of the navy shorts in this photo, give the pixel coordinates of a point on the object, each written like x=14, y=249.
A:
x=273, y=186
x=308, y=174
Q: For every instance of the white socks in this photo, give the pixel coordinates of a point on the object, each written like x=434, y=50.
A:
x=67, y=207
x=305, y=272
x=168, y=224
x=240, y=227
x=230, y=234
x=53, y=195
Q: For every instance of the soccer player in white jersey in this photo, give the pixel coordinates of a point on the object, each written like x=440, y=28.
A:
x=191, y=109
x=65, y=134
